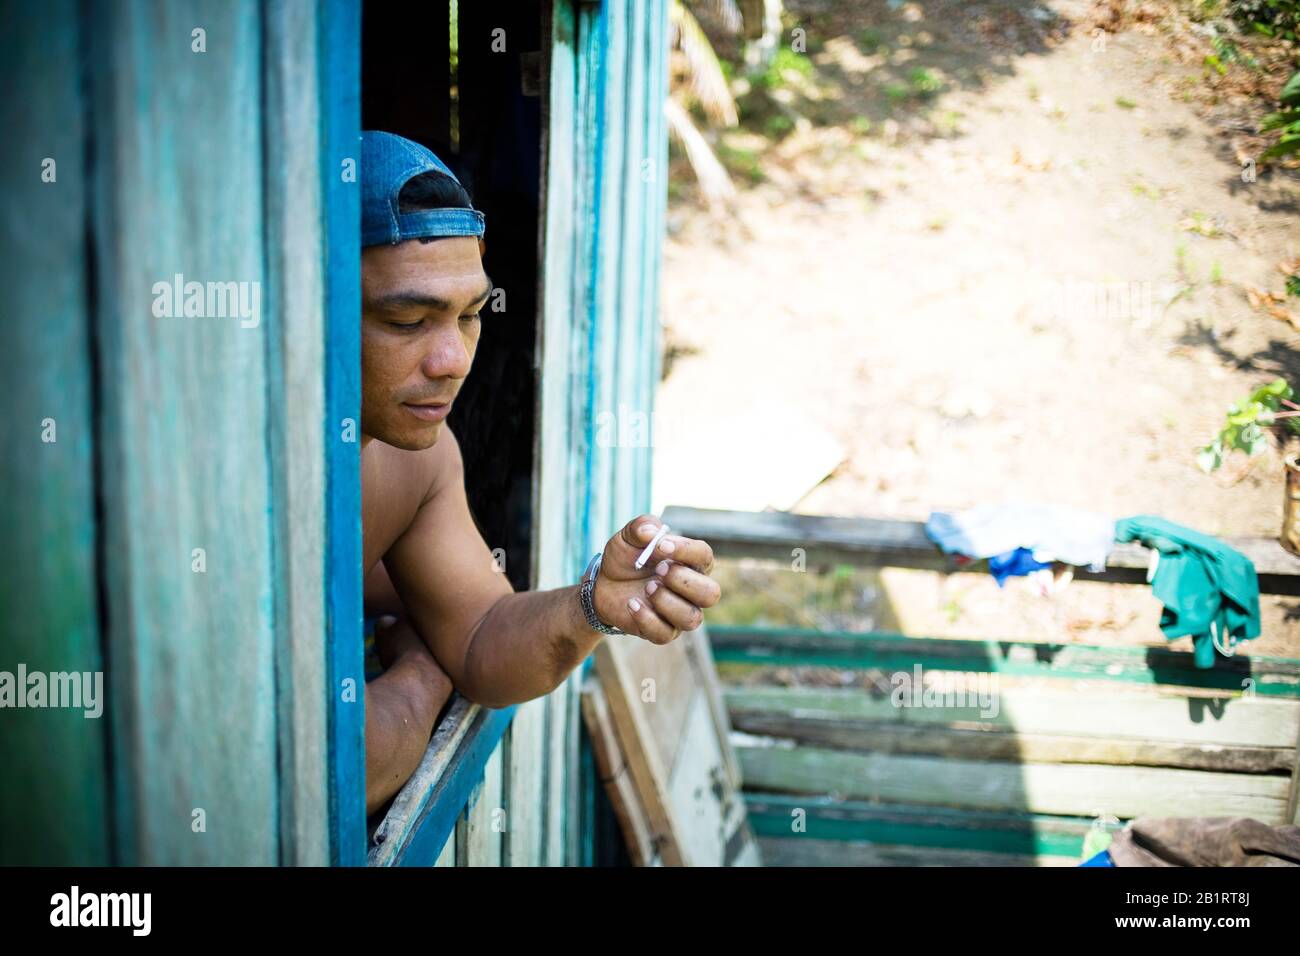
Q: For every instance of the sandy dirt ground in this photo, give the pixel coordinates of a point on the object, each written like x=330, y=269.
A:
x=1028, y=283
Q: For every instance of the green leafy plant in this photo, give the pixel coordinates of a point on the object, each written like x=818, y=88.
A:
x=1273, y=18
x=1267, y=407
x=1287, y=120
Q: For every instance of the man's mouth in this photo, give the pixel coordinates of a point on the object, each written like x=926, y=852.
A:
x=428, y=411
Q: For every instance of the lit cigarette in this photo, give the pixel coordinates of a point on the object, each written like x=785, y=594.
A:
x=649, y=548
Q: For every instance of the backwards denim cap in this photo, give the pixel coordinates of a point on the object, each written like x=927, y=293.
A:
x=387, y=163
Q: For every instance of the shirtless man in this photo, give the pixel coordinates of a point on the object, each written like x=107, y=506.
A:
x=457, y=622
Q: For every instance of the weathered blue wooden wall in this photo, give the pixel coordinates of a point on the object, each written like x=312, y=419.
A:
x=199, y=138
x=218, y=584
x=53, y=791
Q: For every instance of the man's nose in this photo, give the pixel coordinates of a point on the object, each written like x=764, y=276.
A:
x=447, y=355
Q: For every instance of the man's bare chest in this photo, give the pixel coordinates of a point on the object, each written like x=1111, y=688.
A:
x=391, y=493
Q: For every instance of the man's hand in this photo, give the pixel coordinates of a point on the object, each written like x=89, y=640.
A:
x=662, y=599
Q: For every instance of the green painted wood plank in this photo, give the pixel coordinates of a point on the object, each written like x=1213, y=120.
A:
x=1240, y=721
x=1072, y=790
x=54, y=787
x=741, y=644
x=184, y=433
x=806, y=853
x=1011, y=747
x=888, y=542
x=775, y=815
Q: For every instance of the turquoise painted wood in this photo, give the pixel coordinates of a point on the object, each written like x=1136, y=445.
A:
x=200, y=140
x=187, y=557
x=339, y=80
x=770, y=646
x=53, y=785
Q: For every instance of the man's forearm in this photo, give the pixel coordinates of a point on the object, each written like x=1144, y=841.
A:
x=402, y=705
x=525, y=646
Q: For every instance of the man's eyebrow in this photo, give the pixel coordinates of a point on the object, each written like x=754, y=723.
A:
x=396, y=301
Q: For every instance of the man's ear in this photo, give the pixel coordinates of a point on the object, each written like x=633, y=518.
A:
x=482, y=247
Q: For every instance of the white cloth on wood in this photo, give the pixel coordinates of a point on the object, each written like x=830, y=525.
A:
x=1052, y=532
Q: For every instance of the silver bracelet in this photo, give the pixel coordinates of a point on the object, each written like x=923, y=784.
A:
x=585, y=597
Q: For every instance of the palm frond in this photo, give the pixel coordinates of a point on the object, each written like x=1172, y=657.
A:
x=715, y=184
x=704, y=77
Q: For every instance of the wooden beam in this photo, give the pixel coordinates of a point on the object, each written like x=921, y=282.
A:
x=616, y=776
x=1112, y=716
x=904, y=544
x=1075, y=790
x=1019, y=747
x=646, y=764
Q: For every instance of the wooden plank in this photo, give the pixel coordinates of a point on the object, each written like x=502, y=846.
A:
x=1293, y=798
x=559, y=731
x=1076, y=790
x=1264, y=676
x=296, y=355
x=1241, y=722
x=554, y=508
x=667, y=676
x=841, y=734
x=447, y=856
x=525, y=743
x=484, y=823
x=698, y=645
x=340, y=54
x=632, y=391
x=645, y=763
x=904, y=544
x=616, y=776
x=184, y=434
x=54, y=795
x=804, y=853
x=820, y=818
x=710, y=813
x=695, y=814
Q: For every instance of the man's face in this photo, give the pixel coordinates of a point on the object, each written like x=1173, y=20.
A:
x=419, y=330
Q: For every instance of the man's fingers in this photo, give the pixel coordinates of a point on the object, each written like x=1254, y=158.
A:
x=649, y=625
x=674, y=609
x=638, y=532
x=688, y=551
x=696, y=588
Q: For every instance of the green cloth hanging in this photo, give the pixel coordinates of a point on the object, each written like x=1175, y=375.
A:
x=1202, y=582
